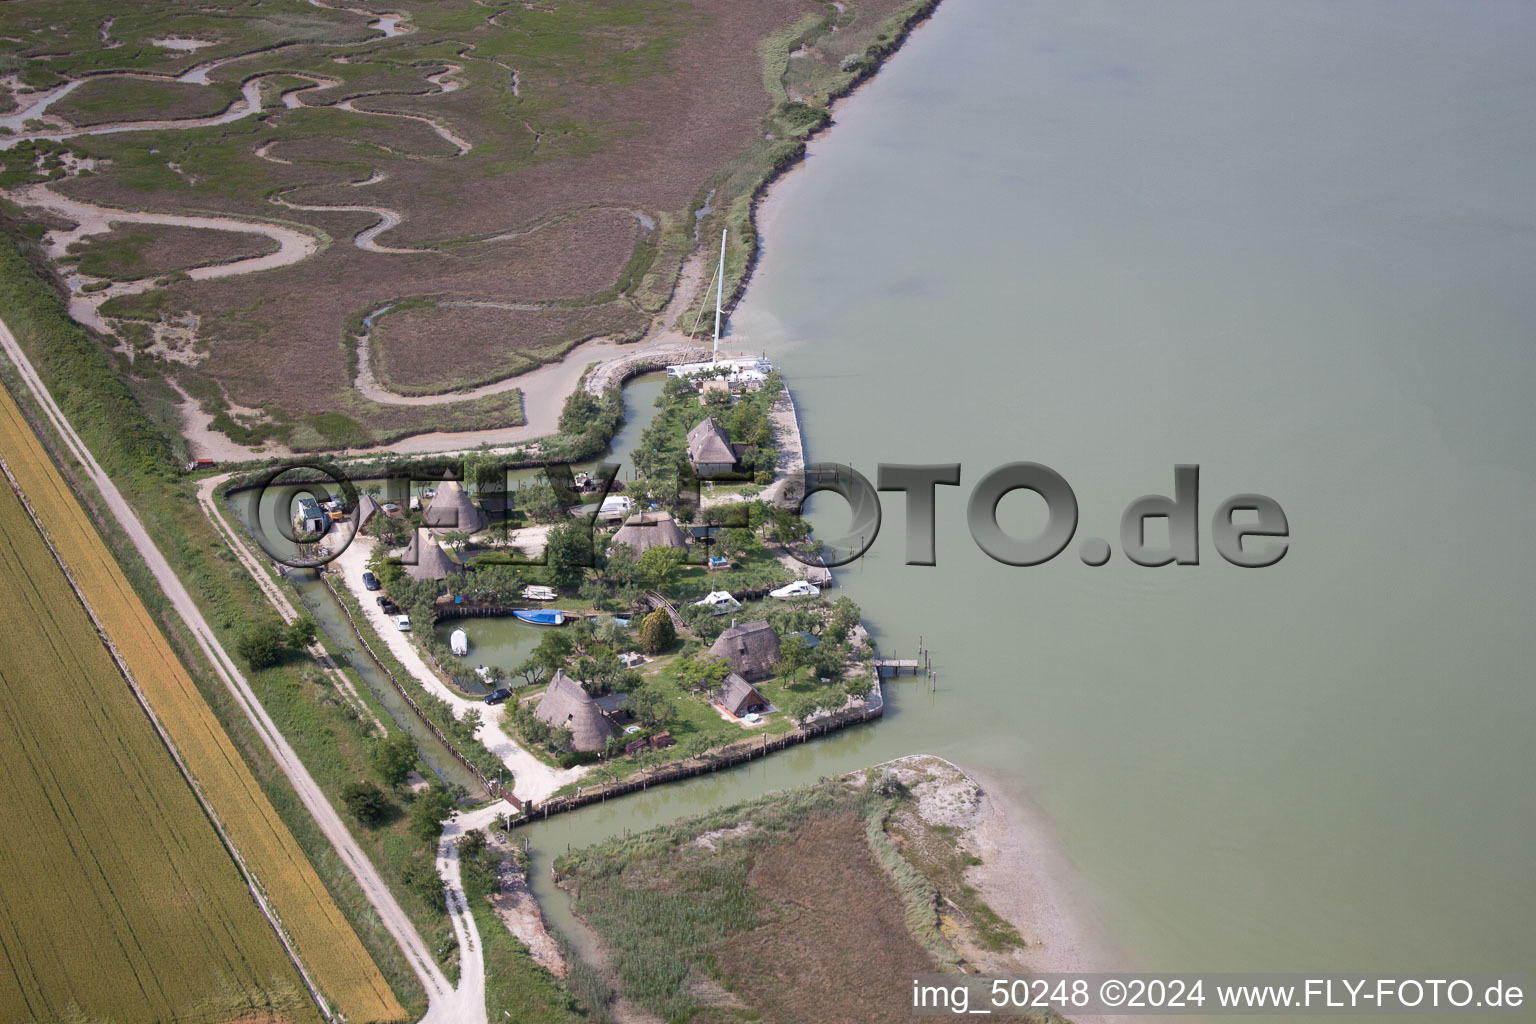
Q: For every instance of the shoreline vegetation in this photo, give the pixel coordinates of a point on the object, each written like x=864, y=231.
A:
x=749, y=894
x=127, y=429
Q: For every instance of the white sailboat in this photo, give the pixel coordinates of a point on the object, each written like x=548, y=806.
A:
x=742, y=370
x=458, y=642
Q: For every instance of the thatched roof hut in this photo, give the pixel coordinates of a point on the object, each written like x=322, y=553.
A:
x=740, y=697
x=709, y=449
x=567, y=705
x=431, y=562
x=751, y=649
x=367, y=508
x=645, y=530
x=452, y=509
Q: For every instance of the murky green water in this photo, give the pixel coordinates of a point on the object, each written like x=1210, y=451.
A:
x=1290, y=243
x=313, y=595
x=493, y=642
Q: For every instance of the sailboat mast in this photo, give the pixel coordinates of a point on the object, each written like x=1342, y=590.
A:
x=719, y=295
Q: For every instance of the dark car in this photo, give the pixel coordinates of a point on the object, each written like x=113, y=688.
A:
x=390, y=608
x=498, y=696
x=370, y=581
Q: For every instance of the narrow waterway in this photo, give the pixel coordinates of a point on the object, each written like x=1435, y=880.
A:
x=1289, y=243
x=494, y=641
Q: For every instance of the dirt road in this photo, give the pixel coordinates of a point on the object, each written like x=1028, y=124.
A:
x=445, y=1004
x=532, y=779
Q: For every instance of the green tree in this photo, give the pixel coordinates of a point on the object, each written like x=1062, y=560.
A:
x=843, y=618
x=656, y=632
x=650, y=706
x=569, y=553
x=658, y=566
x=698, y=671
x=301, y=632
x=827, y=660
x=580, y=412
x=367, y=802
x=427, y=814
x=553, y=650
x=859, y=686
x=802, y=706
x=621, y=567
x=393, y=758
x=793, y=652
x=532, y=670
x=538, y=499
x=262, y=643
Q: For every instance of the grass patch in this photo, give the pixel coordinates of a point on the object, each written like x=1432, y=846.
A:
x=751, y=895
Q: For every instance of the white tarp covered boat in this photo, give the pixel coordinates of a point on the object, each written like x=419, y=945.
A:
x=799, y=588
x=458, y=642
x=719, y=600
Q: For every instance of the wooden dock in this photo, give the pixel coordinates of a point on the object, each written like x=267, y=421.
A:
x=896, y=666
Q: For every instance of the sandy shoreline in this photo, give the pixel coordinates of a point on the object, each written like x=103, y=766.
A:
x=1023, y=876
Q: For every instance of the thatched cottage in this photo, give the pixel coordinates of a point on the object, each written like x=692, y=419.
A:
x=751, y=649
x=367, y=508
x=645, y=530
x=740, y=697
x=426, y=560
x=709, y=449
x=452, y=509
x=567, y=705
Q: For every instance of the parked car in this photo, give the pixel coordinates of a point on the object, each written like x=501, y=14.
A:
x=389, y=607
x=370, y=581
x=402, y=623
x=498, y=696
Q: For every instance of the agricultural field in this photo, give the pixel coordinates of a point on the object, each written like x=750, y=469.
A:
x=561, y=159
x=121, y=902
x=710, y=918
x=330, y=949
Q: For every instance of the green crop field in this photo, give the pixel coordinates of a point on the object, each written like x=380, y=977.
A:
x=120, y=901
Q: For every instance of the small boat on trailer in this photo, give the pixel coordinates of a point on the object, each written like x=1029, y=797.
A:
x=458, y=642
x=541, y=616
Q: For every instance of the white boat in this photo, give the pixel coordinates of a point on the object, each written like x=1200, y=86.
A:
x=741, y=370
x=613, y=508
x=458, y=642
x=799, y=588
x=719, y=600
x=537, y=593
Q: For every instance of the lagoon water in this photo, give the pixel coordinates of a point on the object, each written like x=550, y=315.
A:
x=1290, y=243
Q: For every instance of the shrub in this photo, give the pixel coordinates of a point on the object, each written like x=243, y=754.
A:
x=367, y=802
x=300, y=633
x=420, y=877
x=263, y=643
x=656, y=632
x=393, y=758
x=427, y=814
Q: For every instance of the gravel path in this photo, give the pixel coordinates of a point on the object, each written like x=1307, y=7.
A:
x=532, y=779
x=444, y=1005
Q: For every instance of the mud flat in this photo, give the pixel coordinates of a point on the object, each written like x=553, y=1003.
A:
x=1022, y=875
x=911, y=855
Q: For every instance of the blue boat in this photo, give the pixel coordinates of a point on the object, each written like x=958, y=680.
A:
x=541, y=616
